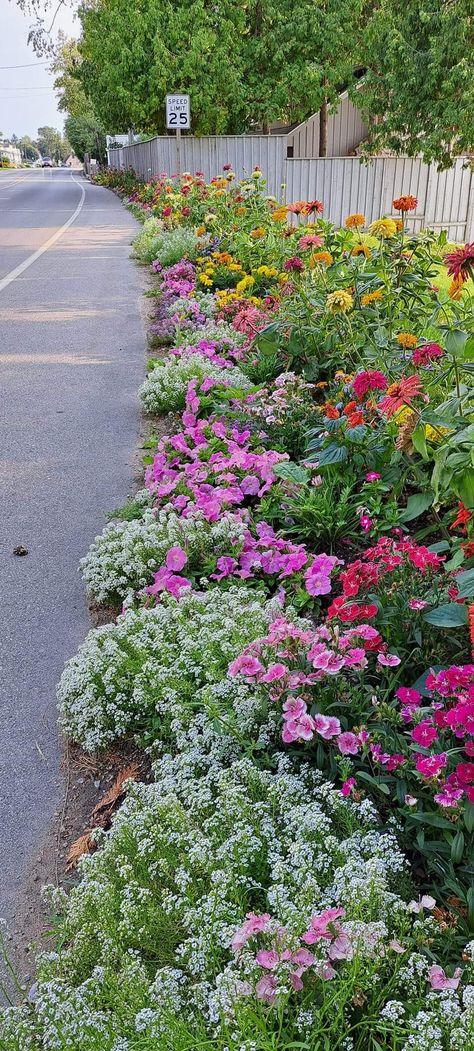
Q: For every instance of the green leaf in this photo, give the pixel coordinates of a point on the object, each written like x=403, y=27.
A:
x=469, y=815
x=463, y=485
x=291, y=472
x=423, y=818
x=449, y=615
x=419, y=440
x=442, y=545
x=465, y=583
x=457, y=848
x=356, y=434
x=416, y=505
x=469, y=349
x=454, y=340
x=332, y=454
x=382, y=787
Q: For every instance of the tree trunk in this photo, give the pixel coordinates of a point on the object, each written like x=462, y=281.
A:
x=265, y=127
x=323, y=129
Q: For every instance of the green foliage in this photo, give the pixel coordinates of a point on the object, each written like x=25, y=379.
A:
x=419, y=78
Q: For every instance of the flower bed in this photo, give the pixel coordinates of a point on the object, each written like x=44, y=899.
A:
x=294, y=650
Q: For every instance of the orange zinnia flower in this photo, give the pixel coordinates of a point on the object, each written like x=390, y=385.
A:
x=355, y=221
x=400, y=394
x=405, y=203
x=407, y=340
x=320, y=257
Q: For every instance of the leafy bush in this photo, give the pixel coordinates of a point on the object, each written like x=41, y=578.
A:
x=167, y=246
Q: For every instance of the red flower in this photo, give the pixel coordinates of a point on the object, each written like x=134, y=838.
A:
x=426, y=353
x=366, y=381
x=400, y=394
x=315, y=206
x=355, y=419
x=295, y=263
x=460, y=264
x=462, y=518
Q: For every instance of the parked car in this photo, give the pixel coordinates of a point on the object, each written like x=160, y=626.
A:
x=47, y=163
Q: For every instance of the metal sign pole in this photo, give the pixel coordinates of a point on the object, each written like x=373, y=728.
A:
x=178, y=151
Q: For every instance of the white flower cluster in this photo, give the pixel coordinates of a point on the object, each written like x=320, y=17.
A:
x=165, y=388
x=214, y=331
x=123, y=558
x=153, y=660
x=181, y=306
x=146, y=935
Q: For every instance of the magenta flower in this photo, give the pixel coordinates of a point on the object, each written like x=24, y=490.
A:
x=388, y=660
x=176, y=559
x=268, y=958
x=275, y=671
x=424, y=733
x=347, y=786
x=439, y=980
x=347, y=743
x=327, y=726
x=266, y=989
x=417, y=603
x=431, y=765
x=253, y=924
x=372, y=476
x=245, y=665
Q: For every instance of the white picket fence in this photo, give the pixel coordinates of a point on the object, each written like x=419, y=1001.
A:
x=343, y=184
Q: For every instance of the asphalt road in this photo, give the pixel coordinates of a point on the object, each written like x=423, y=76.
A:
x=71, y=360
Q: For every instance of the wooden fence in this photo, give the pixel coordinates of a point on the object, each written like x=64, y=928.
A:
x=343, y=184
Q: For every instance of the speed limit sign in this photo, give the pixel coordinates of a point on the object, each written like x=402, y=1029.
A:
x=178, y=112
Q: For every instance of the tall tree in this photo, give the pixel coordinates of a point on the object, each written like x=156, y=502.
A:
x=83, y=129
x=52, y=144
x=419, y=79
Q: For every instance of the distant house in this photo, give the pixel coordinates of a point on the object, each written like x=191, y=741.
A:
x=12, y=152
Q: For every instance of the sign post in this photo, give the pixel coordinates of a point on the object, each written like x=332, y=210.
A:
x=178, y=119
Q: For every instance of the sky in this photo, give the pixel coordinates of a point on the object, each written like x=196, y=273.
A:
x=27, y=98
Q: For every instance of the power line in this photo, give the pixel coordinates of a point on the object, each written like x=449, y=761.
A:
x=25, y=65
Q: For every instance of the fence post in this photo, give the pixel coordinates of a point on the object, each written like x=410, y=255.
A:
x=469, y=228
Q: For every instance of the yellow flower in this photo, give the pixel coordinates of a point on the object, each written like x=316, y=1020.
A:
x=407, y=340
x=279, y=215
x=371, y=297
x=436, y=434
x=219, y=193
x=210, y=217
x=383, y=228
x=398, y=224
x=200, y=231
x=234, y=268
x=361, y=250
x=245, y=283
x=266, y=271
x=283, y=278
x=320, y=257
x=255, y=301
x=403, y=414
x=339, y=302
x=200, y=260
x=241, y=210
x=205, y=279
x=355, y=222
x=258, y=232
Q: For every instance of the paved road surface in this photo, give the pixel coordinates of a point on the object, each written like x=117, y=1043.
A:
x=71, y=360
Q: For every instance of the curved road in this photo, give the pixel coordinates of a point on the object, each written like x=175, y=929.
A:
x=71, y=360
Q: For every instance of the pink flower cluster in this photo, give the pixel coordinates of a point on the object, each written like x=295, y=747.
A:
x=333, y=943
x=209, y=466
x=290, y=659
x=450, y=715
